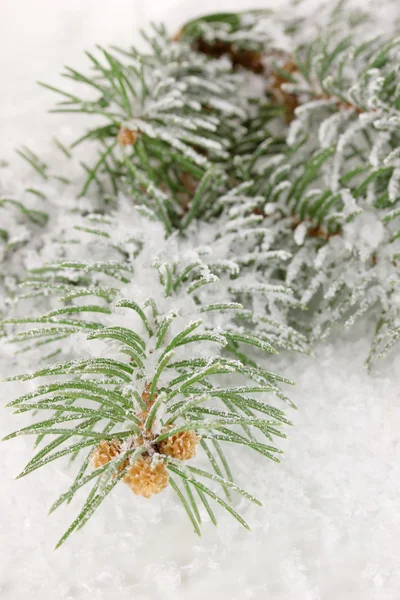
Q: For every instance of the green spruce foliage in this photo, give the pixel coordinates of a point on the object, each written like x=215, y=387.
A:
x=101, y=397
x=244, y=197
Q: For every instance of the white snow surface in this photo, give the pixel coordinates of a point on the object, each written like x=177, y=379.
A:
x=330, y=525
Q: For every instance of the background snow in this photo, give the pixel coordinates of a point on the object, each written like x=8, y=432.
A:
x=330, y=525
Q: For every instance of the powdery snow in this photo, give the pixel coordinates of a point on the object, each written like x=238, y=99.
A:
x=330, y=524
x=329, y=528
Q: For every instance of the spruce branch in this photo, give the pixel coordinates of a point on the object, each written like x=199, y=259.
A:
x=259, y=209
x=169, y=113
x=142, y=409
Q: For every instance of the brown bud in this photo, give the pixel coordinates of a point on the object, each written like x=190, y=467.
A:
x=181, y=446
x=146, y=478
x=105, y=451
x=126, y=137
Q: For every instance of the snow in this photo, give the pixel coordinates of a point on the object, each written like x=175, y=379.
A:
x=330, y=523
x=328, y=529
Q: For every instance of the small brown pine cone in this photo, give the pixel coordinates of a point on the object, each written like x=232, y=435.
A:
x=105, y=452
x=126, y=137
x=181, y=446
x=145, y=478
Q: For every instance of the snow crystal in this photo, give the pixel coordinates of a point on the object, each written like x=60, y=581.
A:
x=300, y=234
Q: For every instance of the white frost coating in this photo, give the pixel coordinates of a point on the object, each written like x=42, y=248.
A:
x=392, y=159
x=328, y=129
x=394, y=185
x=364, y=235
x=269, y=208
x=312, y=106
x=350, y=204
x=296, y=128
x=321, y=257
x=300, y=234
x=377, y=149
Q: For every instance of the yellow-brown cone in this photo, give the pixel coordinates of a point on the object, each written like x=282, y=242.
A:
x=145, y=478
x=105, y=451
x=181, y=446
x=126, y=137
